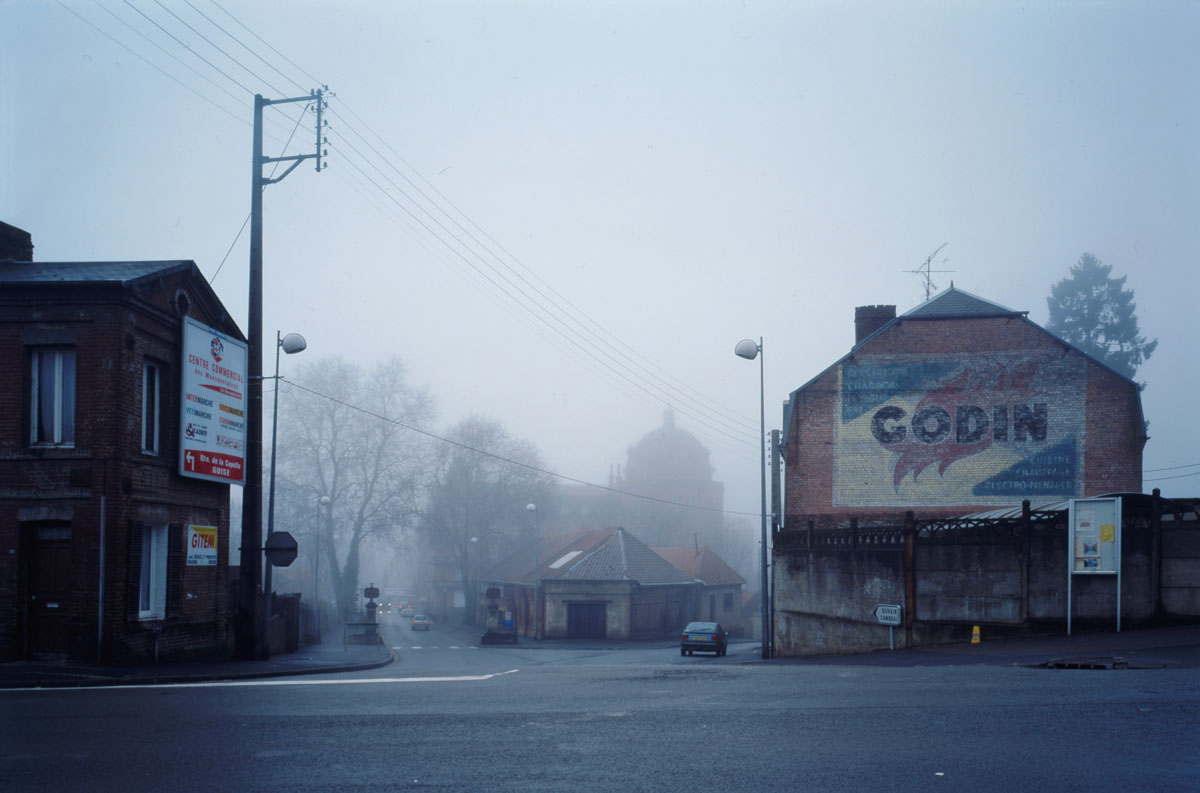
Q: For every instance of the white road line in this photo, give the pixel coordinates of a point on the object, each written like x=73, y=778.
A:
x=282, y=682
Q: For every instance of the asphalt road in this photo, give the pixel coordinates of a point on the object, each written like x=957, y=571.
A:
x=450, y=715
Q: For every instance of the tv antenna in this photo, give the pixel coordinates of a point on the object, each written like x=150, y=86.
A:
x=925, y=272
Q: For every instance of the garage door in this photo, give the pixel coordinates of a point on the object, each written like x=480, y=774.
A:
x=586, y=620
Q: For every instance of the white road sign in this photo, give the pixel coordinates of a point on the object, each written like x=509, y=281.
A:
x=887, y=615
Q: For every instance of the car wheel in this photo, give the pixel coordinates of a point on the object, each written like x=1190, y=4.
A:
x=682, y=651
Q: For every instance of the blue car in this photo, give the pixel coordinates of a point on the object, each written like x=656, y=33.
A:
x=706, y=637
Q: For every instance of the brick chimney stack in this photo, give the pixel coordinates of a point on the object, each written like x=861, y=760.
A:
x=15, y=244
x=868, y=319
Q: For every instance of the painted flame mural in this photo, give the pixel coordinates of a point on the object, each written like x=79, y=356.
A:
x=987, y=431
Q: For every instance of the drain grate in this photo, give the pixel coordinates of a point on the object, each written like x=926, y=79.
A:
x=1086, y=663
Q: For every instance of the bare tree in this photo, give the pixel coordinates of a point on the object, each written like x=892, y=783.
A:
x=347, y=436
x=479, y=484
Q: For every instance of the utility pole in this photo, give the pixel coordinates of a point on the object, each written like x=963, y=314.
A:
x=248, y=637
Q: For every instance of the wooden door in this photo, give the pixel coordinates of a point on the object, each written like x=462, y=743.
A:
x=50, y=597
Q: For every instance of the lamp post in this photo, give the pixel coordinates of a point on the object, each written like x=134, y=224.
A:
x=323, y=501
x=748, y=349
x=537, y=564
x=291, y=343
x=475, y=584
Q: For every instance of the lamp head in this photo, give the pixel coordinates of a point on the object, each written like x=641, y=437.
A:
x=531, y=507
x=747, y=348
x=292, y=343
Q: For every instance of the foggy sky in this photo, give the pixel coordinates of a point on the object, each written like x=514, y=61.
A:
x=683, y=175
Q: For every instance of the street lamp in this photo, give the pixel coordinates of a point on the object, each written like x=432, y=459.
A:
x=748, y=349
x=537, y=564
x=323, y=501
x=291, y=343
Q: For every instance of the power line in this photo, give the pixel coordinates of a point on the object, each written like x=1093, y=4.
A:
x=685, y=399
x=528, y=297
x=266, y=44
x=1165, y=478
x=246, y=47
x=188, y=47
x=508, y=460
x=145, y=60
x=1171, y=468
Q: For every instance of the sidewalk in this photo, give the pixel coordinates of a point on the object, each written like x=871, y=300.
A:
x=1174, y=647
x=312, y=659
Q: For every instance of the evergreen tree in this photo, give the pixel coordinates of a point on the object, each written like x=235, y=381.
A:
x=1095, y=312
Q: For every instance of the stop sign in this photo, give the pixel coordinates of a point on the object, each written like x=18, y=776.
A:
x=280, y=549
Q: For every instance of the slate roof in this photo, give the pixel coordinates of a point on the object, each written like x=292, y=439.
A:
x=127, y=273
x=595, y=555
x=138, y=277
x=954, y=302
x=623, y=557
x=702, y=564
x=518, y=567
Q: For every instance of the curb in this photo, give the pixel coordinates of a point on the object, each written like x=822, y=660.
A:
x=202, y=677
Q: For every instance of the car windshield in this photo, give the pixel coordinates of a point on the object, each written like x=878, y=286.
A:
x=701, y=627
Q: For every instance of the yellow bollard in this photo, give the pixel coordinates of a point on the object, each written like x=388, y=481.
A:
x=975, y=634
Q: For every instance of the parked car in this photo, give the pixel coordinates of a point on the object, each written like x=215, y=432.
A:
x=706, y=637
x=407, y=611
x=421, y=623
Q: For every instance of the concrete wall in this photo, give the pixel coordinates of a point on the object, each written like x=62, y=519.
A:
x=825, y=598
x=614, y=594
x=1008, y=579
x=1181, y=569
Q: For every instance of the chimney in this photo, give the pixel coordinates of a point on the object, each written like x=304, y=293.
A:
x=868, y=319
x=15, y=244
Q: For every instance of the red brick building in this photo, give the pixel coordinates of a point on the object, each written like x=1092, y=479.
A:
x=98, y=526
x=956, y=405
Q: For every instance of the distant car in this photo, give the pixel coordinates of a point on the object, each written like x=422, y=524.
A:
x=407, y=611
x=706, y=637
x=421, y=623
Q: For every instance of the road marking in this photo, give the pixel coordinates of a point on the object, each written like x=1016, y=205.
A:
x=282, y=682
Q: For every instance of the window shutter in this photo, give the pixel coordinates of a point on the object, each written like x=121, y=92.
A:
x=133, y=573
x=174, y=569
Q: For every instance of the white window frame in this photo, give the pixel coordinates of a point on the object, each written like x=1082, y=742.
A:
x=152, y=578
x=55, y=357
x=151, y=407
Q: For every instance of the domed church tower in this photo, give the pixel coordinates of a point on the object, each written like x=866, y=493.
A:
x=671, y=468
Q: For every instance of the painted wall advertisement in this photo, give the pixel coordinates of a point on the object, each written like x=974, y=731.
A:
x=213, y=405
x=922, y=430
x=202, y=546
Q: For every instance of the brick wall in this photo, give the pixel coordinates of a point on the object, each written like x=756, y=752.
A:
x=114, y=333
x=958, y=372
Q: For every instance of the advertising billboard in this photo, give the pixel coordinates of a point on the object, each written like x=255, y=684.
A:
x=202, y=546
x=929, y=430
x=212, y=421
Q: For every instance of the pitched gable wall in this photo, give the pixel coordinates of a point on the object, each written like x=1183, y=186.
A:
x=1009, y=412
